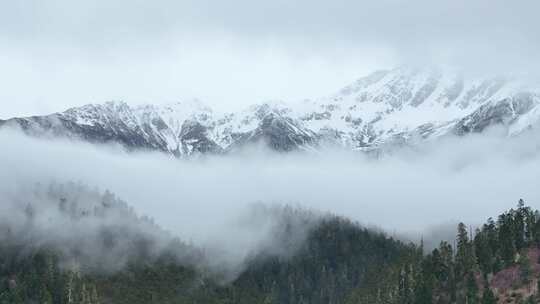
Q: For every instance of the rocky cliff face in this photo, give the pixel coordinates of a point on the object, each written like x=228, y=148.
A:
x=387, y=107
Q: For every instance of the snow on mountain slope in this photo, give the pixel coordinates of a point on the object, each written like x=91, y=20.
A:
x=386, y=107
x=404, y=101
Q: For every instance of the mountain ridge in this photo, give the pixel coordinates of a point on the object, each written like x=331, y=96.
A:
x=387, y=107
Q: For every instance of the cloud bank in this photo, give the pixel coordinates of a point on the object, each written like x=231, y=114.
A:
x=63, y=53
x=464, y=179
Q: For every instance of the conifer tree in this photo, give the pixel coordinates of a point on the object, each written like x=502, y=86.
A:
x=525, y=269
x=94, y=298
x=45, y=296
x=483, y=252
x=488, y=297
x=506, y=239
x=472, y=289
x=465, y=259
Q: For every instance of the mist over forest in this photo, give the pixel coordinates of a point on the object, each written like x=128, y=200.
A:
x=269, y=152
x=107, y=212
x=208, y=200
x=194, y=198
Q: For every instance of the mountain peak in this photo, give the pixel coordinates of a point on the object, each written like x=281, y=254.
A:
x=383, y=107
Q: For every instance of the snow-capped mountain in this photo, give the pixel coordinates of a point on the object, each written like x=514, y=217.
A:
x=386, y=107
x=407, y=104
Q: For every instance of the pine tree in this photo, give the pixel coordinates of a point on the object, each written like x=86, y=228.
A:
x=465, y=259
x=506, y=239
x=472, y=289
x=69, y=288
x=490, y=230
x=94, y=298
x=45, y=296
x=84, y=296
x=488, y=297
x=535, y=227
x=483, y=252
x=525, y=269
x=519, y=217
x=424, y=290
x=405, y=283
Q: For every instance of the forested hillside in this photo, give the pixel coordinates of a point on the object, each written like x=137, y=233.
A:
x=496, y=263
x=337, y=262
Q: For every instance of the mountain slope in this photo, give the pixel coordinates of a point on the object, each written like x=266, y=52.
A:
x=338, y=261
x=114, y=256
x=387, y=107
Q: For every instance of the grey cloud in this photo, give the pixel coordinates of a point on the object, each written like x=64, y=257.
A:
x=387, y=18
x=392, y=23
x=465, y=179
x=62, y=53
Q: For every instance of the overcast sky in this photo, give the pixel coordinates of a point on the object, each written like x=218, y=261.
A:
x=60, y=53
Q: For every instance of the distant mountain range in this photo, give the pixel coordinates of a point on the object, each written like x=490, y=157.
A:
x=398, y=106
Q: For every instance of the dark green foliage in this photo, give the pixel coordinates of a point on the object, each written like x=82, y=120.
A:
x=465, y=257
x=525, y=270
x=471, y=289
x=488, y=297
x=425, y=284
x=337, y=257
x=493, y=247
x=338, y=262
x=483, y=251
x=37, y=278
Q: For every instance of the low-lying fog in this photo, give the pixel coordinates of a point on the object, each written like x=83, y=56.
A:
x=201, y=200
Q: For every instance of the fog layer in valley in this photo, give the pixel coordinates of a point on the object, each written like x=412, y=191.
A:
x=207, y=200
